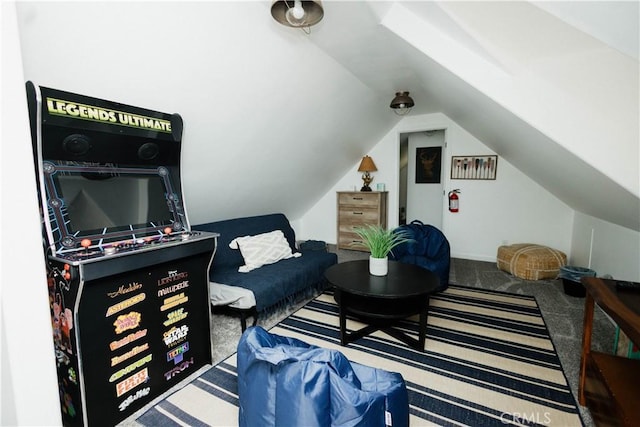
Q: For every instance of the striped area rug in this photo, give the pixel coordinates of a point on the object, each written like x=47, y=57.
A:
x=488, y=361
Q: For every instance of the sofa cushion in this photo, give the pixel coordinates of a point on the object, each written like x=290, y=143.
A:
x=273, y=283
x=248, y=226
x=262, y=249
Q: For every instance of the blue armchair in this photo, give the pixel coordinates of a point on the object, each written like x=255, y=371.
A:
x=429, y=249
x=283, y=381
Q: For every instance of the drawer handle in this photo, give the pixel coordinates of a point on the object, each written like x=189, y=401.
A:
x=357, y=213
x=357, y=198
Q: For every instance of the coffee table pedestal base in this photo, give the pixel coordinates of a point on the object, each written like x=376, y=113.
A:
x=381, y=314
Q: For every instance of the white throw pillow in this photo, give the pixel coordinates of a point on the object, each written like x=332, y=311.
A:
x=262, y=249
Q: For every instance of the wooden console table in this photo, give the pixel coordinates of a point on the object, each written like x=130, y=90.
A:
x=610, y=384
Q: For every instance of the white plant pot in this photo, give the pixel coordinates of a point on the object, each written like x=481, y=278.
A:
x=378, y=266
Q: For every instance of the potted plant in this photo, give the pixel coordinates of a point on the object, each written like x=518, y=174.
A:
x=379, y=241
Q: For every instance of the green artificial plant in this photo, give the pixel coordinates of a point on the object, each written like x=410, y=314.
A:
x=379, y=240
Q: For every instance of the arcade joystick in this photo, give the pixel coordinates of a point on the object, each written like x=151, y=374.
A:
x=168, y=230
x=85, y=243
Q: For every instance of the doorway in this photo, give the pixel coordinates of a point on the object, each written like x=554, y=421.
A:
x=422, y=171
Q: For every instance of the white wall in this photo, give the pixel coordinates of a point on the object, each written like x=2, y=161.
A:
x=605, y=248
x=320, y=221
x=511, y=209
x=254, y=95
x=29, y=383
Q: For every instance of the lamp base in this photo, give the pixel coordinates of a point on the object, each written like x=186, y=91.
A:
x=366, y=180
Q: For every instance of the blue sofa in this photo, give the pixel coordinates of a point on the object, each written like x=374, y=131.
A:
x=274, y=284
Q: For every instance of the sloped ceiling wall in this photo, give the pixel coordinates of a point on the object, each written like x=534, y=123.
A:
x=274, y=117
x=271, y=121
x=555, y=101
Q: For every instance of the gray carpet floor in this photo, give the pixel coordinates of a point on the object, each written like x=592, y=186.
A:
x=562, y=313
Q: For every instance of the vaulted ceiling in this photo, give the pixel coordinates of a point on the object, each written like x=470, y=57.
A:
x=552, y=87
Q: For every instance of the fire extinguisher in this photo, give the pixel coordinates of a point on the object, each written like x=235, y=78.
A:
x=454, y=204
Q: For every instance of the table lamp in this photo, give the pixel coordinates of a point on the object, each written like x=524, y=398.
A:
x=366, y=166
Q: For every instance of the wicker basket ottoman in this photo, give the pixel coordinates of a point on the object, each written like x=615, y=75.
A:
x=531, y=262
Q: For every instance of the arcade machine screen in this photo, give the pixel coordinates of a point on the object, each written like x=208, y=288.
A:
x=99, y=201
x=109, y=205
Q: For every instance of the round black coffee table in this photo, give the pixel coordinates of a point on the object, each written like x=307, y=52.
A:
x=381, y=301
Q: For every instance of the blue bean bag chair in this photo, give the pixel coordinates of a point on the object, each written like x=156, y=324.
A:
x=283, y=381
x=429, y=249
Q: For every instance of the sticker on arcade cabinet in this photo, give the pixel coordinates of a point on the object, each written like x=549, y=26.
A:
x=175, y=316
x=76, y=110
x=66, y=402
x=130, y=302
x=173, y=288
x=129, y=354
x=177, y=354
x=178, y=369
x=132, y=382
x=175, y=335
x=73, y=377
x=59, y=284
x=122, y=290
x=173, y=276
x=127, y=321
x=132, y=398
x=132, y=367
x=114, y=345
x=173, y=301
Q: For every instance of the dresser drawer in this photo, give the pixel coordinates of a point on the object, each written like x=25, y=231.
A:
x=358, y=199
x=348, y=240
x=345, y=227
x=357, y=216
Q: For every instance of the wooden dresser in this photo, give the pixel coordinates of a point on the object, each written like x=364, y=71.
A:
x=358, y=208
x=610, y=384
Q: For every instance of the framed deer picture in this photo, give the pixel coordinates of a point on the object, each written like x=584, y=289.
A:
x=474, y=167
x=428, y=165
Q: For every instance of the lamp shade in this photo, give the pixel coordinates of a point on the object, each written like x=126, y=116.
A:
x=402, y=103
x=367, y=165
x=297, y=13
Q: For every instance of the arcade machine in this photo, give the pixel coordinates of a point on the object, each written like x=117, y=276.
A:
x=127, y=278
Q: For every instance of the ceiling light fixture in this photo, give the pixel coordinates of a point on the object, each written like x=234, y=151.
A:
x=297, y=13
x=402, y=103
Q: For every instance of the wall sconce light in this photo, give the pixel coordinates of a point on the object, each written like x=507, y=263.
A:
x=402, y=103
x=366, y=166
x=297, y=13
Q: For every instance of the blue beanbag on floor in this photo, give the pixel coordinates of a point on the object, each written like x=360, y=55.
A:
x=429, y=249
x=283, y=381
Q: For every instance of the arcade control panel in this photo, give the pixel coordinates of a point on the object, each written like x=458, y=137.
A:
x=90, y=250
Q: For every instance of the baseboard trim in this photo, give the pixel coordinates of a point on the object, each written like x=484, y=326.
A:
x=474, y=257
